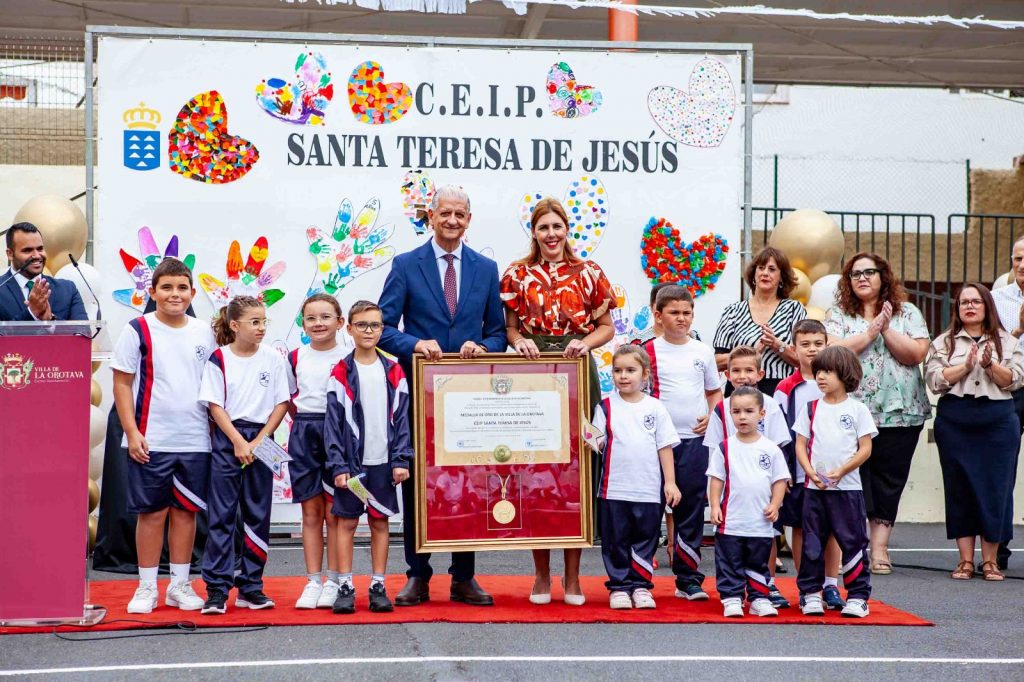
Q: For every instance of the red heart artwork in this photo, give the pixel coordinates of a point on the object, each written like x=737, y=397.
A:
x=372, y=100
x=696, y=266
x=199, y=146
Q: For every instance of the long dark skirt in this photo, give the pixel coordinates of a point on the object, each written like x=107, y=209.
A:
x=978, y=440
x=885, y=473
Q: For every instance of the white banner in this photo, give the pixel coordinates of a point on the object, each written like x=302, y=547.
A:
x=323, y=157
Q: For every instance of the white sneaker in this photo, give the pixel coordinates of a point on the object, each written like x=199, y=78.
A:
x=328, y=595
x=732, y=607
x=144, y=599
x=183, y=596
x=310, y=595
x=762, y=607
x=856, y=608
x=620, y=600
x=812, y=605
x=642, y=599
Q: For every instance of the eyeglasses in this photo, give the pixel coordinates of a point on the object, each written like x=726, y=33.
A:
x=867, y=273
x=256, y=323
x=368, y=326
x=972, y=303
x=323, y=319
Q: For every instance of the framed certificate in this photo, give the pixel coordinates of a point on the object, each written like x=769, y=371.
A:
x=500, y=456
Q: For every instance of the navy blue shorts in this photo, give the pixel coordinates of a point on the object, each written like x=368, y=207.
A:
x=380, y=482
x=306, y=448
x=792, y=511
x=177, y=479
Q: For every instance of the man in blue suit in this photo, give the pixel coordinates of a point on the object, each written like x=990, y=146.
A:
x=446, y=296
x=26, y=294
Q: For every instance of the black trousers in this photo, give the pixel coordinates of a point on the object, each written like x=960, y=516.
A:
x=839, y=513
x=629, y=537
x=884, y=475
x=741, y=564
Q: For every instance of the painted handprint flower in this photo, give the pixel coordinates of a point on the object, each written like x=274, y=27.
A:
x=250, y=279
x=141, y=269
x=353, y=247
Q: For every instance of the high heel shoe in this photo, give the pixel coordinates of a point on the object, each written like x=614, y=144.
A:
x=542, y=598
x=572, y=599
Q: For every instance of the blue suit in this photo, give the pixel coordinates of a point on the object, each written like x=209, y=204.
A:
x=414, y=295
x=65, y=303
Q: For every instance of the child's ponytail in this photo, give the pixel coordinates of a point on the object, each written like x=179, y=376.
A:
x=222, y=330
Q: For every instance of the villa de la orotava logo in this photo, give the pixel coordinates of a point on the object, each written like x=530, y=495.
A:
x=17, y=372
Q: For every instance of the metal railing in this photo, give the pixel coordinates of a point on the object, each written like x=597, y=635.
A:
x=974, y=247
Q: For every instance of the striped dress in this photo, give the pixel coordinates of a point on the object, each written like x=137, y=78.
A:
x=737, y=328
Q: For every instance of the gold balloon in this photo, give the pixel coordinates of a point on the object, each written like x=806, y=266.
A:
x=94, y=494
x=62, y=225
x=815, y=313
x=811, y=240
x=94, y=525
x=96, y=393
x=96, y=364
x=802, y=292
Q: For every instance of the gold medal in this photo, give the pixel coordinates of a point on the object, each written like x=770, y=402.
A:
x=502, y=454
x=504, y=512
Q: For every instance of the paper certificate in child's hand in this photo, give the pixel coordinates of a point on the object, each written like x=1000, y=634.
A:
x=359, y=489
x=271, y=454
x=593, y=436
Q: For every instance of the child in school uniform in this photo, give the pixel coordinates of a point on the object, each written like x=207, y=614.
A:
x=684, y=378
x=245, y=387
x=792, y=395
x=743, y=368
x=310, y=369
x=637, y=479
x=158, y=366
x=748, y=476
x=833, y=439
x=366, y=431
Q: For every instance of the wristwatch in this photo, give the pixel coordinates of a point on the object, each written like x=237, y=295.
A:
x=782, y=347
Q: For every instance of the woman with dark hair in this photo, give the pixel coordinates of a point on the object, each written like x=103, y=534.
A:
x=556, y=301
x=974, y=365
x=873, y=318
x=765, y=320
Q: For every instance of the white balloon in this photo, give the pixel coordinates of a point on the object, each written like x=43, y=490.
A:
x=1002, y=281
x=90, y=275
x=97, y=426
x=823, y=292
x=96, y=462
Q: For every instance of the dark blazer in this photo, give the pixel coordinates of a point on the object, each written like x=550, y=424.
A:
x=65, y=302
x=414, y=295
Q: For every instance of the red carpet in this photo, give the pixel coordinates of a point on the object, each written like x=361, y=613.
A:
x=511, y=606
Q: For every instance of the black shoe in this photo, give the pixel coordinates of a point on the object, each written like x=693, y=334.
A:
x=346, y=601
x=255, y=600
x=379, y=602
x=216, y=603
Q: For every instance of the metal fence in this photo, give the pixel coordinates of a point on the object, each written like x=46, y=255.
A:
x=974, y=247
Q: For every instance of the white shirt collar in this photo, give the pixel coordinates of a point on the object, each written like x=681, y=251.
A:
x=20, y=279
x=440, y=253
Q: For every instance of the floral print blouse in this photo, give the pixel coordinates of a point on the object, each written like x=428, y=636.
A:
x=895, y=393
x=557, y=298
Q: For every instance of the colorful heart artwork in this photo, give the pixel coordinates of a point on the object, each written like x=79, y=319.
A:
x=417, y=192
x=302, y=100
x=372, y=100
x=699, y=116
x=566, y=97
x=199, y=146
x=696, y=266
x=586, y=203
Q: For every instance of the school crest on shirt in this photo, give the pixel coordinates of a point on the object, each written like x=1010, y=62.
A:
x=698, y=365
x=764, y=461
x=501, y=384
x=760, y=426
x=649, y=422
x=846, y=421
x=201, y=353
x=264, y=379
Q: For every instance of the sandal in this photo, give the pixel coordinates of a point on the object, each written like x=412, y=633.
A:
x=881, y=567
x=964, y=571
x=990, y=571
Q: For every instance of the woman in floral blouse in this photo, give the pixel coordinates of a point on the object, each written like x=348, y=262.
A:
x=872, y=318
x=555, y=301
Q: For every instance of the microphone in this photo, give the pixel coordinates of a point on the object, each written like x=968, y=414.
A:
x=99, y=311
x=10, y=275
